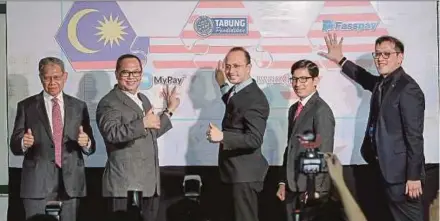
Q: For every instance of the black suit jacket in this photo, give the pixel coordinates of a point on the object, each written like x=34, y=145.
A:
x=39, y=174
x=244, y=124
x=399, y=127
x=318, y=118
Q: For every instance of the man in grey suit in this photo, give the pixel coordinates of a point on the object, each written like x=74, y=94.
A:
x=310, y=114
x=52, y=130
x=242, y=166
x=130, y=130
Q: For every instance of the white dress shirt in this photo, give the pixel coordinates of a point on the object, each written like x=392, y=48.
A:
x=48, y=105
x=136, y=99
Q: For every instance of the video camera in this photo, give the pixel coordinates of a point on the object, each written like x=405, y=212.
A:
x=311, y=161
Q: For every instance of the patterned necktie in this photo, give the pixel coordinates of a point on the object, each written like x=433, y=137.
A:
x=298, y=110
x=231, y=94
x=57, y=130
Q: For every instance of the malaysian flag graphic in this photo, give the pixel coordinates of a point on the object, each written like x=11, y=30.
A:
x=356, y=21
x=94, y=34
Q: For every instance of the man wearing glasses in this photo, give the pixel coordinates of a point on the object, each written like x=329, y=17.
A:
x=52, y=131
x=310, y=114
x=130, y=130
x=242, y=165
x=393, y=142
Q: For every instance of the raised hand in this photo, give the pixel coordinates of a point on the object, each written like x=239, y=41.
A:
x=214, y=134
x=220, y=75
x=334, y=48
x=28, y=139
x=151, y=120
x=83, y=138
x=171, y=98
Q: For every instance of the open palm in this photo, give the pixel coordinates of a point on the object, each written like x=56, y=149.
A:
x=334, y=48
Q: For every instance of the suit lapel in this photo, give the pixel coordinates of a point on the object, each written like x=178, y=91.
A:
x=42, y=114
x=309, y=105
x=145, y=102
x=68, y=112
x=242, y=92
x=128, y=101
x=393, y=87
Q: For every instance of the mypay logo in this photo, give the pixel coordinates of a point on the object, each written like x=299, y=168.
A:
x=149, y=80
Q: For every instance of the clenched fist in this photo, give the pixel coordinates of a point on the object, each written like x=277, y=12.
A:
x=28, y=139
x=83, y=138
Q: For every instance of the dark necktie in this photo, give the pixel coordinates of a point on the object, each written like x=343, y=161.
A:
x=57, y=130
x=231, y=94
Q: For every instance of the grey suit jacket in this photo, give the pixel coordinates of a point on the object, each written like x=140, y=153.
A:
x=39, y=175
x=132, y=151
x=317, y=117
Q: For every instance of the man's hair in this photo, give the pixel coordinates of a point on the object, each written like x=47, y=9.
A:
x=125, y=56
x=49, y=61
x=307, y=64
x=398, y=45
x=246, y=53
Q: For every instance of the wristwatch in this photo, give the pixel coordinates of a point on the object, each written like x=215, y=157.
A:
x=223, y=85
x=341, y=62
x=168, y=112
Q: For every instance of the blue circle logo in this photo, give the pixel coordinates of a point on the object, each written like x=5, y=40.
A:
x=147, y=81
x=204, y=26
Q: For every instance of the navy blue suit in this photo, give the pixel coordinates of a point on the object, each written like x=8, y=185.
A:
x=393, y=141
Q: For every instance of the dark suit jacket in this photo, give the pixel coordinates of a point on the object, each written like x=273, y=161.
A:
x=39, y=174
x=132, y=151
x=318, y=118
x=244, y=124
x=399, y=128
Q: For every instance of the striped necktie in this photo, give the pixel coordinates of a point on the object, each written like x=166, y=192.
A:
x=57, y=130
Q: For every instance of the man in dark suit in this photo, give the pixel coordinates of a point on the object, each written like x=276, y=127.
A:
x=241, y=163
x=393, y=143
x=310, y=114
x=130, y=130
x=52, y=130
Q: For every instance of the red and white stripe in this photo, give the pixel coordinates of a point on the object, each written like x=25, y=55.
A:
x=357, y=45
x=192, y=51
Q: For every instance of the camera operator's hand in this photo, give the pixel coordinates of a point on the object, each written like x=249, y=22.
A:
x=281, y=193
x=334, y=167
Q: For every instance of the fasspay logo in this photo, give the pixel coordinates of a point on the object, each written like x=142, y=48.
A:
x=330, y=25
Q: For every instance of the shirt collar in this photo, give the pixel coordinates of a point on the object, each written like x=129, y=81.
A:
x=50, y=97
x=391, y=76
x=242, y=85
x=131, y=95
x=306, y=99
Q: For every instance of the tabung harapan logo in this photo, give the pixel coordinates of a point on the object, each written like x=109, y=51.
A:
x=206, y=26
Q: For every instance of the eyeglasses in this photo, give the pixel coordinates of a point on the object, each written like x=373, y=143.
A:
x=385, y=55
x=235, y=66
x=300, y=79
x=126, y=74
x=51, y=78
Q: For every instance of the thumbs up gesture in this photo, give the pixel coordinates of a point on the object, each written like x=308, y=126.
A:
x=151, y=120
x=83, y=138
x=28, y=139
x=214, y=134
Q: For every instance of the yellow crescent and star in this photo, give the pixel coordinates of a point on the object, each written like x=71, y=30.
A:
x=111, y=30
